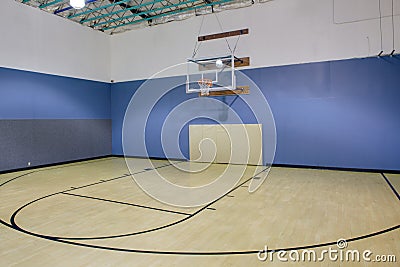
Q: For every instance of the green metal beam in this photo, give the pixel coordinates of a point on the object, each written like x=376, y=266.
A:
x=146, y=12
x=122, y=10
x=167, y=14
x=51, y=3
x=97, y=8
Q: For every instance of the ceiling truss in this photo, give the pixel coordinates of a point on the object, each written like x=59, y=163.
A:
x=113, y=16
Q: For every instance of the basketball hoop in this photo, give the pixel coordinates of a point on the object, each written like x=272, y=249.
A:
x=205, y=85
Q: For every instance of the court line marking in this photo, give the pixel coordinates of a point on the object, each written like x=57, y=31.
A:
x=71, y=189
x=202, y=253
x=128, y=204
x=19, y=176
x=14, y=224
x=16, y=227
x=119, y=177
x=41, y=169
x=391, y=186
x=65, y=165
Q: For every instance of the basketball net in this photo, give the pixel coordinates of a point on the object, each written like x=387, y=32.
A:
x=205, y=85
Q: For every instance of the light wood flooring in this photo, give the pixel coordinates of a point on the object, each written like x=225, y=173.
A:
x=92, y=213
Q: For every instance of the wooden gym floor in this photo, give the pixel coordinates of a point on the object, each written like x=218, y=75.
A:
x=92, y=213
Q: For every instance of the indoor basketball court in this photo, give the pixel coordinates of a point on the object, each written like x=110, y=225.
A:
x=194, y=133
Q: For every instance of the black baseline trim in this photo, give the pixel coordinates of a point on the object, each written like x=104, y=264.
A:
x=106, y=157
x=150, y=158
x=296, y=166
x=56, y=166
x=313, y=167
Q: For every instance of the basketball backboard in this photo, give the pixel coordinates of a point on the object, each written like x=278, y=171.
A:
x=220, y=70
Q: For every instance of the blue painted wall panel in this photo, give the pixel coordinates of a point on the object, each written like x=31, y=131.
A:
x=47, y=119
x=29, y=95
x=332, y=114
x=336, y=114
x=329, y=114
x=121, y=94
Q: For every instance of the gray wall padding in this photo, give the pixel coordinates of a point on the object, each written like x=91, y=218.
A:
x=51, y=141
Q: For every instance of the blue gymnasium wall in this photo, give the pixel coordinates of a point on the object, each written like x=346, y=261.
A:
x=46, y=119
x=343, y=114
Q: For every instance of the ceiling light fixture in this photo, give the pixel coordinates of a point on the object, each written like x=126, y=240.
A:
x=77, y=4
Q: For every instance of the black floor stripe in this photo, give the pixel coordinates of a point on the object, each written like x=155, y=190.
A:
x=391, y=186
x=200, y=253
x=59, y=165
x=211, y=209
x=129, y=204
x=19, y=176
x=57, y=238
x=73, y=188
x=14, y=226
x=230, y=196
x=62, y=165
x=112, y=179
x=65, y=165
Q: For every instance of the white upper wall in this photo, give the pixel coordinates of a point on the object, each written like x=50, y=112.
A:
x=281, y=32
x=34, y=40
